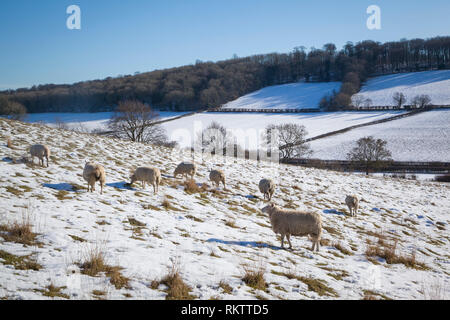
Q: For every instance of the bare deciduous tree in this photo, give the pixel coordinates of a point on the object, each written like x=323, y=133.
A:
x=421, y=101
x=290, y=140
x=135, y=121
x=215, y=139
x=399, y=99
x=370, y=152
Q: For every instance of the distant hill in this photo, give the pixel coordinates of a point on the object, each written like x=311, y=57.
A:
x=435, y=84
x=289, y=96
x=212, y=84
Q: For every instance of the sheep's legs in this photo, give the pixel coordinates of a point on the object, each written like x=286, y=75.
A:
x=282, y=241
x=289, y=240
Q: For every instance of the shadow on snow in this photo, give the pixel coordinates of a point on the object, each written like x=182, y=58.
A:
x=252, y=244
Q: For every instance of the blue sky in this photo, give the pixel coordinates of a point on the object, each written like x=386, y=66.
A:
x=121, y=37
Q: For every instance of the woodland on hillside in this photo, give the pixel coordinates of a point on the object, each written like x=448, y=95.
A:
x=211, y=84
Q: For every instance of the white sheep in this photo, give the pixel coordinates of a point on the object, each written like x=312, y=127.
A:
x=295, y=223
x=185, y=168
x=352, y=203
x=92, y=173
x=217, y=176
x=267, y=187
x=146, y=174
x=40, y=151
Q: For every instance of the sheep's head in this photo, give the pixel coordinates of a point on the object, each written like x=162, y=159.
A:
x=269, y=209
x=133, y=179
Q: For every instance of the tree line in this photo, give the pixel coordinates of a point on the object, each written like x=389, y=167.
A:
x=211, y=84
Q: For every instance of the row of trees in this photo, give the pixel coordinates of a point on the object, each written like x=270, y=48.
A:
x=136, y=121
x=208, y=84
x=11, y=109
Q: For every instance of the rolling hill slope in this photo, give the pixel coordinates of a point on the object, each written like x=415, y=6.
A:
x=436, y=84
x=212, y=234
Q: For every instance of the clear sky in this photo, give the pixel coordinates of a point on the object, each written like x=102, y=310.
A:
x=122, y=37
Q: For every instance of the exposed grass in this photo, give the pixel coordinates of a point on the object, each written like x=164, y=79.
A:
x=53, y=291
x=150, y=207
x=331, y=230
x=372, y=295
x=62, y=195
x=316, y=285
x=225, y=287
x=341, y=248
x=191, y=187
x=388, y=253
x=136, y=223
x=9, y=144
x=14, y=191
x=19, y=262
x=194, y=218
x=98, y=293
x=94, y=263
x=231, y=224
x=19, y=232
x=254, y=277
x=177, y=288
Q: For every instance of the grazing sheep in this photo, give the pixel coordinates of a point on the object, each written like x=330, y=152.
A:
x=267, y=187
x=295, y=223
x=146, y=174
x=217, y=176
x=185, y=168
x=352, y=204
x=40, y=151
x=92, y=173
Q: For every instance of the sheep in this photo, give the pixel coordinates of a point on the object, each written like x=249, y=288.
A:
x=267, y=187
x=40, y=151
x=146, y=174
x=352, y=204
x=185, y=168
x=217, y=176
x=295, y=223
x=92, y=173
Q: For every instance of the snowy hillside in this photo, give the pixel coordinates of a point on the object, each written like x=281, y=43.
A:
x=88, y=121
x=253, y=124
x=422, y=137
x=213, y=235
x=288, y=96
x=436, y=84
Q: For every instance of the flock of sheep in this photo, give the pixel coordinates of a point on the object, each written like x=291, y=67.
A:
x=287, y=223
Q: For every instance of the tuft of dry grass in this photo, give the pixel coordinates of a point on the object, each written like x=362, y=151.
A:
x=135, y=223
x=9, y=144
x=388, y=252
x=341, y=248
x=225, y=287
x=177, y=288
x=254, y=277
x=94, y=263
x=191, y=187
x=19, y=232
x=231, y=224
x=167, y=205
x=54, y=291
x=19, y=262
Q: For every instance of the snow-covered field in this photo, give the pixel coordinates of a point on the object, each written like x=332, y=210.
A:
x=288, y=96
x=422, y=137
x=253, y=124
x=210, y=235
x=436, y=84
x=88, y=121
